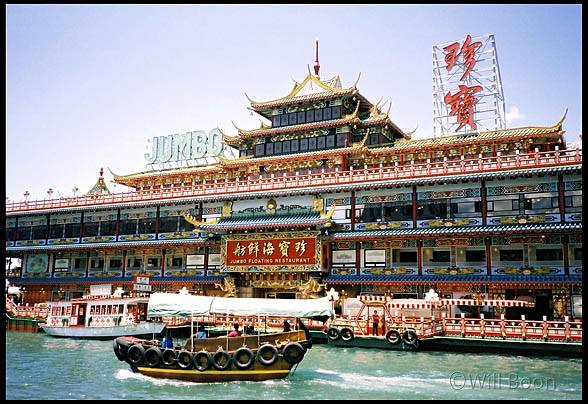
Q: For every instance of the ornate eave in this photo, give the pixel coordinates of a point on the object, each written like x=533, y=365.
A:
x=131, y=179
x=470, y=139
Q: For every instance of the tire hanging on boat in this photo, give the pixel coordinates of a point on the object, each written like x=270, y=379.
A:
x=267, y=348
x=298, y=352
x=216, y=359
x=197, y=360
x=333, y=333
x=410, y=338
x=120, y=349
x=347, y=334
x=184, y=359
x=136, y=354
x=168, y=357
x=153, y=356
x=250, y=358
x=393, y=336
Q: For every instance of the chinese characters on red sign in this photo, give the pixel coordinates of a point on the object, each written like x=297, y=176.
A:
x=462, y=102
x=271, y=252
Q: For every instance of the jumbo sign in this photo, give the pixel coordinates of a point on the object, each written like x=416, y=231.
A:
x=190, y=145
x=277, y=251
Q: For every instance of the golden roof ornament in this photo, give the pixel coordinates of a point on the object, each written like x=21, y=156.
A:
x=100, y=187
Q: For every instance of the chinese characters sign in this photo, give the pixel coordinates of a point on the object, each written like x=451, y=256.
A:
x=462, y=102
x=275, y=251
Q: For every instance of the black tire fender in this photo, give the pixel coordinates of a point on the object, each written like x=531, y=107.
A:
x=217, y=357
x=153, y=356
x=410, y=338
x=393, y=336
x=136, y=354
x=250, y=358
x=299, y=352
x=262, y=350
x=347, y=334
x=333, y=333
x=184, y=359
x=168, y=357
x=197, y=358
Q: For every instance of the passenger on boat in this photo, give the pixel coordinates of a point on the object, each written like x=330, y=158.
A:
x=201, y=332
x=376, y=322
x=286, y=326
x=167, y=342
x=235, y=332
x=251, y=330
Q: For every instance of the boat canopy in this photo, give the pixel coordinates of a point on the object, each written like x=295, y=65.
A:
x=172, y=304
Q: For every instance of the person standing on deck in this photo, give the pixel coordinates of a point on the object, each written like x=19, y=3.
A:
x=376, y=322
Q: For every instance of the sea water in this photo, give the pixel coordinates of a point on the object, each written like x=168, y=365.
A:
x=42, y=367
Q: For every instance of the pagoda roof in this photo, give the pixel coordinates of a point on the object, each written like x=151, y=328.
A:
x=100, y=187
x=266, y=130
x=172, y=172
x=311, y=89
x=469, y=139
x=251, y=160
x=264, y=222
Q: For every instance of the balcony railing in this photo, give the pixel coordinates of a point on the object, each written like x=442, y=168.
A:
x=275, y=183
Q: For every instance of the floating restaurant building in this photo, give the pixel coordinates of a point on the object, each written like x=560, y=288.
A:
x=329, y=194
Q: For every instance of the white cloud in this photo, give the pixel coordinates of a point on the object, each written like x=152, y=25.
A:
x=513, y=114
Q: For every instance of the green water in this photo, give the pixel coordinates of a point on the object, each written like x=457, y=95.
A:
x=43, y=367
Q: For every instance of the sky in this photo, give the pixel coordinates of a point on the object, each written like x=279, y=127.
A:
x=87, y=86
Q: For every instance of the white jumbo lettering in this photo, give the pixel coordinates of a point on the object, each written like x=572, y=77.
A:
x=191, y=145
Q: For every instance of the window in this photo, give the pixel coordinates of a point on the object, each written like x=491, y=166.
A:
x=147, y=226
x=549, y=254
x=292, y=118
x=56, y=231
x=128, y=227
x=578, y=254
x=269, y=149
x=134, y=262
x=108, y=228
x=294, y=145
x=38, y=232
x=341, y=139
x=475, y=256
x=312, y=143
x=175, y=262
x=541, y=203
x=301, y=117
x=573, y=201
x=91, y=229
x=259, y=149
x=286, y=146
x=432, y=210
x=185, y=225
x=330, y=141
x=373, y=138
x=511, y=255
x=503, y=204
x=407, y=257
x=284, y=120
x=336, y=112
x=465, y=207
x=278, y=148
x=79, y=263
x=115, y=263
x=276, y=120
x=320, y=142
x=153, y=262
x=310, y=116
x=371, y=212
x=441, y=256
x=318, y=115
x=71, y=230
x=397, y=211
x=326, y=113
x=303, y=144
x=168, y=224
x=97, y=263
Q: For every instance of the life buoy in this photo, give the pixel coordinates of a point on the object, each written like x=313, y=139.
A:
x=333, y=333
x=298, y=352
x=153, y=356
x=237, y=358
x=346, y=334
x=261, y=354
x=393, y=336
x=184, y=359
x=136, y=354
x=217, y=360
x=198, y=360
x=168, y=357
x=410, y=338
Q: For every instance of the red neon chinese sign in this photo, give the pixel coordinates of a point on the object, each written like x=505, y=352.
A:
x=462, y=102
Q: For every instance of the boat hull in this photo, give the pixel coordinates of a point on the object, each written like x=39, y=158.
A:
x=372, y=342
x=140, y=330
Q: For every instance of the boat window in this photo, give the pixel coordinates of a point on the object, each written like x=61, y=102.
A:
x=120, y=309
x=91, y=310
x=108, y=309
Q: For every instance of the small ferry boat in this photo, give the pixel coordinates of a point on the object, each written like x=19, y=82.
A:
x=440, y=331
x=101, y=317
x=221, y=359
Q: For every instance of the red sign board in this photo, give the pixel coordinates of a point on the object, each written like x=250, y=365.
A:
x=277, y=251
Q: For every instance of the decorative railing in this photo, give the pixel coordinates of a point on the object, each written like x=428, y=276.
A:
x=26, y=311
x=353, y=176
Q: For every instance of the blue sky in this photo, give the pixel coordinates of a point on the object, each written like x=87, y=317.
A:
x=88, y=85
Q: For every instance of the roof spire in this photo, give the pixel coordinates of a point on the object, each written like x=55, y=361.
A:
x=317, y=66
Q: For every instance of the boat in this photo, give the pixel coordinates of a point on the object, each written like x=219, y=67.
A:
x=222, y=359
x=440, y=330
x=101, y=317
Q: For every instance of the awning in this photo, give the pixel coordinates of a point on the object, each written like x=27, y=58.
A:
x=171, y=305
x=499, y=303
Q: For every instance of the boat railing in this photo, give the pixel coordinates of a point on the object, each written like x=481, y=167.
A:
x=472, y=327
x=227, y=321
x=403, y=171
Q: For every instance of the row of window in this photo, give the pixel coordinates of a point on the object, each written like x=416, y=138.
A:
x=133, y=262
x=312, y=115
x=300, y=145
